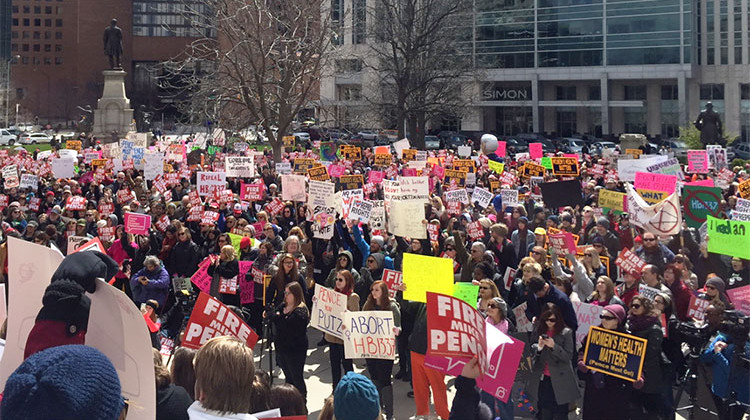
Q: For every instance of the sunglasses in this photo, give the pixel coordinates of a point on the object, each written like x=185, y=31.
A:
x=450, y=249
x=536, y=252
x=339, y=279
x=636, y=306
x=551, y=320
x=484, y=288
x=607, y=317
x=710, y=287
x=649, y=239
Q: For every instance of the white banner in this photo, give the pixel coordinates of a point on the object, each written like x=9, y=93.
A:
x=240, y=166
x=369, y=335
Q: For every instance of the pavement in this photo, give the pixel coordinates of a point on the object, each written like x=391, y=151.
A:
x=318, y=381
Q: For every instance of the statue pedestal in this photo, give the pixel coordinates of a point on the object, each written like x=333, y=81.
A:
x=113, y=112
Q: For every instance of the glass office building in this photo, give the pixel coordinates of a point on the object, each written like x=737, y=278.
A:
x=604, y=67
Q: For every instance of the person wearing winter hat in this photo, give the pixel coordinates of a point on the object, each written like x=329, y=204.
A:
x=64, y=382
x=522, y=238
x=598, y=403
x=356, y=398
x=609, y=239
x=715, y=289
x=376, y=245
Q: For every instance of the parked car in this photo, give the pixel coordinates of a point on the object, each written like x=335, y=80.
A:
x=338, y=134
x=7, y=138
x=529, y=138
x=571, y=145
x=596, y=148
x=34, y=138
x=301, y=135
x=454, y=141
x=514, y=145
x=677, y=146
x=741, y=150
x=368, y=134
x=431, y=142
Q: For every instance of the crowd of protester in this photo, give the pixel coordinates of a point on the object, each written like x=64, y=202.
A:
x=224, y=382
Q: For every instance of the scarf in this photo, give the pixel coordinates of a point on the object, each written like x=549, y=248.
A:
x=640, y=323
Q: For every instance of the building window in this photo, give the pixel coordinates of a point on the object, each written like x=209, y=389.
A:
x=635, y=93
x=58, y=35
x=58, y=61
x=47, y=22
x=37, y=35
x=745, y=112
x=14, y=35
x=14, y=9
x=566, y=93
x=712, y=91
x=26, y=22
x=669, y=92
x=360, y=21
x=48, y=10
x=47, y=35
x=595, y=93
x=25, y=47
x=47, y=47
x=37, y=48
x=37, y=10
x=58, y=48
x=14, y=47
x=37, y=22
x=25, y=60
x=47, y=61
x=26, y=35
x=27, y=9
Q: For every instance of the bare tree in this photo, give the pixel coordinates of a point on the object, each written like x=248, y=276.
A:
x=421, y=52
x=257, y=63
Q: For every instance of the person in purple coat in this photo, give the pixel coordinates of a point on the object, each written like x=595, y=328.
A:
x=150, y=282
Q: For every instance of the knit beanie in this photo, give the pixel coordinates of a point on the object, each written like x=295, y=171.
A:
x=245, y=242
x=65, y=382
x=717, y=283
x=379, y=240
x=603, y=222
x=617, y=311
x=356, y=398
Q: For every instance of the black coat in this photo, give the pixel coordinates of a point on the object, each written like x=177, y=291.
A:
x=184, y=258
x=291, y=330
x=172, y=403
x=226, y=270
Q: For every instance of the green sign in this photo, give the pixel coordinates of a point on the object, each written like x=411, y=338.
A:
x=467, y=292
x=547, y=162
x=729, y=237
x=699, y=202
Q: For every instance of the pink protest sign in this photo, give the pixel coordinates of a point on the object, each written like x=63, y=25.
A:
x=503, y=353
x=247, y=286
x=535, y=150
x=563, y=242
x=201, y=279
x=655, y=182
x=501, y=146
x=740, y=296
x=136, y=223
x=336, y=170
x=375, y=177
x=697, y=161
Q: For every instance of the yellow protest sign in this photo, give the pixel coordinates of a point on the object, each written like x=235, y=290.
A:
x=744, y=189
x=651, y=196
x=383, y=159
x=408, y=154
x=564, y=166
x=636, y=153
x=466, y=165
x=73, y=145
x=496, y=166
x=612, y=200
x=424, y=274
x=288, y=141
x=99, y=163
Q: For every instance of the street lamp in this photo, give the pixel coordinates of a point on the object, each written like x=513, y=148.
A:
x=7, y=86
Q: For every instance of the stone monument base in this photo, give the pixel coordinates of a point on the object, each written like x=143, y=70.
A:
x=113, y=112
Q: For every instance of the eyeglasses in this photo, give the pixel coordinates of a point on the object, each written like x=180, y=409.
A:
x=551, y=320
x=339, y=279
x=588, y=255
x=450, y=249
x=635, y=305
x=649, y=239
x=484, y=288
x=607, y=317
x=288, y=262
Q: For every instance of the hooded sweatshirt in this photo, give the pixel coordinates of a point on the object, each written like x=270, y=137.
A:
x=331, y=279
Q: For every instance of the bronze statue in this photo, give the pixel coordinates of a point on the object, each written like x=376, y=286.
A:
x=113, y=44
x=709, y=124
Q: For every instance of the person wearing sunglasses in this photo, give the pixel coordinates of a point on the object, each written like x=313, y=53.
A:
x=345, y=285
x=600, y=388
x=653, y=252
x=715, y=290
x=497, y=317
x=644, y=322
x=487, y=292
x=553, y=384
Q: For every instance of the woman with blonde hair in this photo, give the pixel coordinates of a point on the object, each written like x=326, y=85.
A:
x=224, y=272
x=487, y=291
x=293, y=245
x=604, y=293
x=381, y=369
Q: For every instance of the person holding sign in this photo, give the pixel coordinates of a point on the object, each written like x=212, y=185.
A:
x=291, y=336
x=643, y=321
x=345, y=285
x=224, y=272
x=600, y=388
x=381, y=369
x=553, y=383
x=497, y=317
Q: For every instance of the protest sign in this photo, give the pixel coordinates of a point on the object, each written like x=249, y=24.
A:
x=535, y=150
x=509, y=197
x=105, y=209
x=563, y=243
x=369, y=335
x=655, y=182
x=742, y=205
x=697, y=307
x=455, y=329
x=327, y=311
x=433, y=231
x=361, y=211
x=106, y=233
x=503, y=355
x=283, y=167
x=240, y=166
x=454, y=179
x=564, y=166
x=29, y=181
x=136, y=223
x=729, y=237
x=475, y=230
x=402, y=219
x=651, y=196
x=744, y=189
x=383, y=159
x=648, y=292
x=293, y=188
x=530, y=169
x=63, y=167
x=74, y=242
x=351, y=153
x=481, y=197
x=252, y=192
x=629, y=262
x=670, y=166
x=76, y=203
x=302, y=165
x=414, y=188
x=697, y=161
x=614, y=353
x=700, y=202
x=562, y=193
x=211, y=318
x=153, y=165
x=393, y=279
x=457, y=196
x=627, y=168
x=408, y=155
x=351, y=182
x=509, y=277
x=423, y=274
x=318, y=173
x=246, y=282
x=210, y=183
x=588, y=316
x=467, y=292
x=663, y=218
x=740, y=297
x=464, y=151
x=497, y=167
x=611, y=200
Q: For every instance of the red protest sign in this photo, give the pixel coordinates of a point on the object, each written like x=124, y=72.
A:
x=475, y=230
x=124, y=196
x=105, y=209
x=137, y=223
x=211, y=318
x=251, y=192
x=563, y=242
x=275, y=206
x=195, y=198
x=455, y=329
x=209, y=217
x=34, y=203
x=629, y=262
x=697, y=308
x=75, y=202
x=106, y=233
x=163, y=223
x=433, y=230
x=228, y=286
x=394, y=280
x=195, y=213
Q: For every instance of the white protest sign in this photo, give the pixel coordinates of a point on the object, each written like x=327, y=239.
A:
x=481, y=196
x=414, y=188
x=284, y=167
x=522, y=322
x=74, y=242
x=743, y=205
x=210, y=183
x=509, y=197
x=43, y=155
x=464, y=151
x=327, y=311
x=68, y=153
x=348, y=197
x=377, y=215
x=63, y=167
x=626, y=168
x=405, y=219
x=459, y=195
x=369, y=335
x=240, y=166
x=361, y=210
x=29, y=181
x=399, y=146
x=588, y=316
x=293, y=188
x=648, y=292
x=153, y=165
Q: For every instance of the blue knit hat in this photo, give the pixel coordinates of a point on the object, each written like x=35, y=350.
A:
x=356, y=398
x=65, y=382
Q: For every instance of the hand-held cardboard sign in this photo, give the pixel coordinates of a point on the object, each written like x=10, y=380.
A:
x=137, y=223
x=455, y=329
x=615, y=354
x=369, y=335
x=328, y=311
x=211, y=318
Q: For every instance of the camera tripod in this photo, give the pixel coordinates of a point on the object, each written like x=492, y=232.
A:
x=267, y=346
x=690, y=381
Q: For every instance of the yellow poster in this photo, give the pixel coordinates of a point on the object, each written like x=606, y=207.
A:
x=424, y=274
x=612, y=200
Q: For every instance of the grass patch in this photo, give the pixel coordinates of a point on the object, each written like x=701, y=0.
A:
x=29, y=147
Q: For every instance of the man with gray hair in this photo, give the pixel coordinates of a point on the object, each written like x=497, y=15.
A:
x=150, y=282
